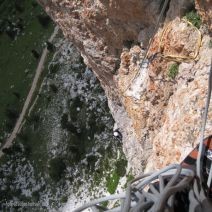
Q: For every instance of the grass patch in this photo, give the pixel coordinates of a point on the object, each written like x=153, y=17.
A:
x=129, y=177
x=112, y=182
x=20, y=33
x=173, y=70
x=36, y=144
x=104, y=204
x=194, y=18
x=121, y=166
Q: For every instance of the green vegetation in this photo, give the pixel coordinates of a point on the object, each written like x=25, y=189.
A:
x=64, y=199
x=130, y=177
x=121, y=167
x=35, y=147
x=56, y=168
x=173, y=70
x=104, y=204
x=24, y=28
x=194, y=18
x=66, y=133
x=84, y=128
x=54, y=68
x=112, y=182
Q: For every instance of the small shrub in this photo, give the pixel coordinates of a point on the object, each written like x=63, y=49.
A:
x=130, y=177
x=19, y=7
x=92, y=159
x=104, y=204
x=17, y=95
x=50, y=46
x=44, y=20
x=173, y=70
x=64, y=121
x=11, y=113
x=53, y=88
x=54, y=68
x=64, y=199
x=34, y=4
x=7, y=151
x=68, y=125
x=128, y=43
x=56, y=168
x=34, y=118
x=9, y=125
x=121, y=166
x=35, y=54
x=12, y=150
x=194, y=18
x=35, y=196
x=23, y=136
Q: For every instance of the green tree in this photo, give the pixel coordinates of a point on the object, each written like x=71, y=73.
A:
x=56, y=168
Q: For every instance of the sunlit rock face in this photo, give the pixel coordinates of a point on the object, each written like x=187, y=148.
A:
x=100, y=28
x=158, y=116
x=204, y=8
x=166, y=112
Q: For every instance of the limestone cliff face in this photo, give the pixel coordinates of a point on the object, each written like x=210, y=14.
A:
x=100, y=28
x=159, y=115
x=204, y=8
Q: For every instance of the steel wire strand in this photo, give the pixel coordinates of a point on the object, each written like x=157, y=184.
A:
x=127, y=198
x=160, y=204
x=144, y=182
x=103, y=199
x=169, y=191
x=142, y=206
x=171, y=202
x=156, y=174
x=127, y=201
x=193, y=201
x=175, y=177
x=196, y=196
x=154, y=190
x=146, y=179
x=209, y=177
x=161, y=183
x=141, y=201
x=112, y=197
x=196, y=190
x=153, y=197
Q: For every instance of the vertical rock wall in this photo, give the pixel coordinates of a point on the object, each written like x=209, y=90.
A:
x=158, y=116
x=204, y=8
x=100, y=28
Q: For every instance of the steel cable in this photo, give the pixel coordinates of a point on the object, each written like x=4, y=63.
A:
x=152, y=198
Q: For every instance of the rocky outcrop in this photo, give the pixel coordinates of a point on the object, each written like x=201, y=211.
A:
x=100, y=28
x=158, y=113
x=166, y=112
x=204, y=8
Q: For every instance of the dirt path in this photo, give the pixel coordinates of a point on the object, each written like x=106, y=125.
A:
x=38, y=72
